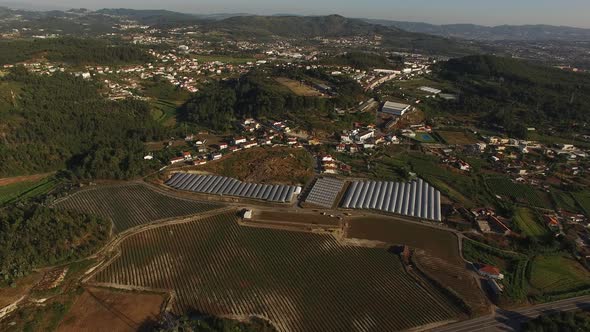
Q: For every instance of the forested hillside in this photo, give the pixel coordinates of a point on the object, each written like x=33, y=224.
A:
x=35, y=236
x=516, y=93
x=72, y=51
x=62, y=121
x=256, y=95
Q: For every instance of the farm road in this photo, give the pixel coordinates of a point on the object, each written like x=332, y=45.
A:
x=506, y=320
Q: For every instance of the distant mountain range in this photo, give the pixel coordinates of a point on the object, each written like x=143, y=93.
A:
x=502, y=32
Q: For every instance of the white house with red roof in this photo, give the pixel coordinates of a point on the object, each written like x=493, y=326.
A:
x=491, y=272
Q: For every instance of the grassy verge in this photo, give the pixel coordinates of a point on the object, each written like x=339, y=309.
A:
x=27, y=189
x=526, y=220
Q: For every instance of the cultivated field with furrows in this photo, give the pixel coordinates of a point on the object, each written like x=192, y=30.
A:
x=132, y=205
x=299, y=281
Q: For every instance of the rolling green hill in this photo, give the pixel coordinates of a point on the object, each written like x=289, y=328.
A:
x=337, y=26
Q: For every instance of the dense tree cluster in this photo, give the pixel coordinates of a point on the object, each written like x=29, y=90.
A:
x=515, y=93
x=73, y=51
x=559, y=322
x=256, y=95
x=364, y=60
x=204, y=323
x=33, y=236
x=60, y=120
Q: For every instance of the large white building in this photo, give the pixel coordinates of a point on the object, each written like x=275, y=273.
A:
x=430, y=90
x=394, y=108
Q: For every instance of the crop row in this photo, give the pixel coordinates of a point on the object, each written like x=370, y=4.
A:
x=132, y=205
x=300, y=281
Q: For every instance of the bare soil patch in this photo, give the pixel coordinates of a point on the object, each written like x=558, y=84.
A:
x=100, y=309
x=299, y=218
x=298, y=88
x=18, y=179
x=265, y=165
x=455, y=277
x=438, y=242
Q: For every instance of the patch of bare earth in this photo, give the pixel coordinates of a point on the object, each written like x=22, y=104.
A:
x=455, y=277
x=100, y=309
x=18, y=179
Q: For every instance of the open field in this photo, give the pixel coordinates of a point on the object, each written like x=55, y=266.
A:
x=436, y=242
x=265, y=165
x=518, y=192
x=564, y=200
x=298, y=88
x=526, y=220
x=457, y=137
x=111, y=310
x=132, y=205
x=164, y=111
x=558, y=274
x=583, y=200
x=454, y=277
x=9, y=295
x=29, y=187
x=299, y=281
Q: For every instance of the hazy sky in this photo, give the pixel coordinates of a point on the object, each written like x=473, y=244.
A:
x=488, y=12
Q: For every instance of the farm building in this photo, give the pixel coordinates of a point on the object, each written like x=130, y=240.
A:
x=393, y=108
x=415, y=198
x=491, y=272
x=225, y=186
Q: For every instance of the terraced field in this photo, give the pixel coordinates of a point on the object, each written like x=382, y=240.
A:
x=519, y=192
x=132, y=205
x=558, y=274
x=300, y=281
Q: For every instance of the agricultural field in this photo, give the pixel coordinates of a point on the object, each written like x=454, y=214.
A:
x=265, y=165
x=132, y=205
x=112, y=310
x=518, y=192
x=457, y=137
x=164, y=111
x=299, y=281
x=527, y=222
x=565, y=201
x=298, y=88
x=437, y=242
x=583, y=200
x=26, y=189
x=556, y=274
